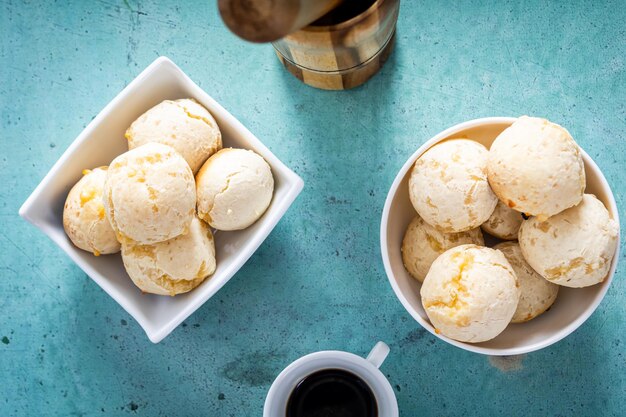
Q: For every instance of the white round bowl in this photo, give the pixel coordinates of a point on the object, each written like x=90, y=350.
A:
x=573, y=305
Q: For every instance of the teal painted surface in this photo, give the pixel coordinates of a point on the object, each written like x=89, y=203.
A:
x=318, y=281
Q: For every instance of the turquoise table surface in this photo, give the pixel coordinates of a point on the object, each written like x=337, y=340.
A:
x=67, y=349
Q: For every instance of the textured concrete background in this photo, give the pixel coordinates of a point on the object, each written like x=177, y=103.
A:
x=318, y=281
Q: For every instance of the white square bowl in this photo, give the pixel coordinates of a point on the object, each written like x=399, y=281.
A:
x=100, y=142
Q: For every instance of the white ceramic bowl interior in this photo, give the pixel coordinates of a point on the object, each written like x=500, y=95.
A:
x=100, y=142
x=573, y=305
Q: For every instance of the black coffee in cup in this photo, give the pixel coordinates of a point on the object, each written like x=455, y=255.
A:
x=332, y=393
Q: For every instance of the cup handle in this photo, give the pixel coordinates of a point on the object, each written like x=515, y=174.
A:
x=378, y=354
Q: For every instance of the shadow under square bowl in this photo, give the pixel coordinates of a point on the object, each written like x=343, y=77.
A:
x=100, y=142
x=573, y=305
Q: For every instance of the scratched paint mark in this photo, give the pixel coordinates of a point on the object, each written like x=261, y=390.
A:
x=256, y=369
x=129, y=7
x=413, y=337
x=508, y=363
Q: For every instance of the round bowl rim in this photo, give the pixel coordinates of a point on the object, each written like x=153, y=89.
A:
x=557, y=335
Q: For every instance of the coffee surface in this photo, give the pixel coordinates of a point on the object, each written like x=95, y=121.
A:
x=332, y=393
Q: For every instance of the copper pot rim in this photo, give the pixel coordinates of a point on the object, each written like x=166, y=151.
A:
x=346, y=23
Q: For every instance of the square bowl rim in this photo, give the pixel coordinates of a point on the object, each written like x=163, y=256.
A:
x=293, y=185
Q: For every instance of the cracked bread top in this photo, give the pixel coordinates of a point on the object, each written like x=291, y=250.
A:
x=448, y=186
x=537, y=294
x=573, y=248
x=422, y=244
x=149, y=194
x=234, y=188
x=175, y=266
x=504, y=222
x=183, y=124
x=84, y=218
x=535, y=167
x=470, y=293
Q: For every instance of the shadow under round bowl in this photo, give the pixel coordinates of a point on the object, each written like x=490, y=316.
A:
x=573, y=305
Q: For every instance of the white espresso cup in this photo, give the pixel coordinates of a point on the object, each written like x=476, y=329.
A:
x=364, y=368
